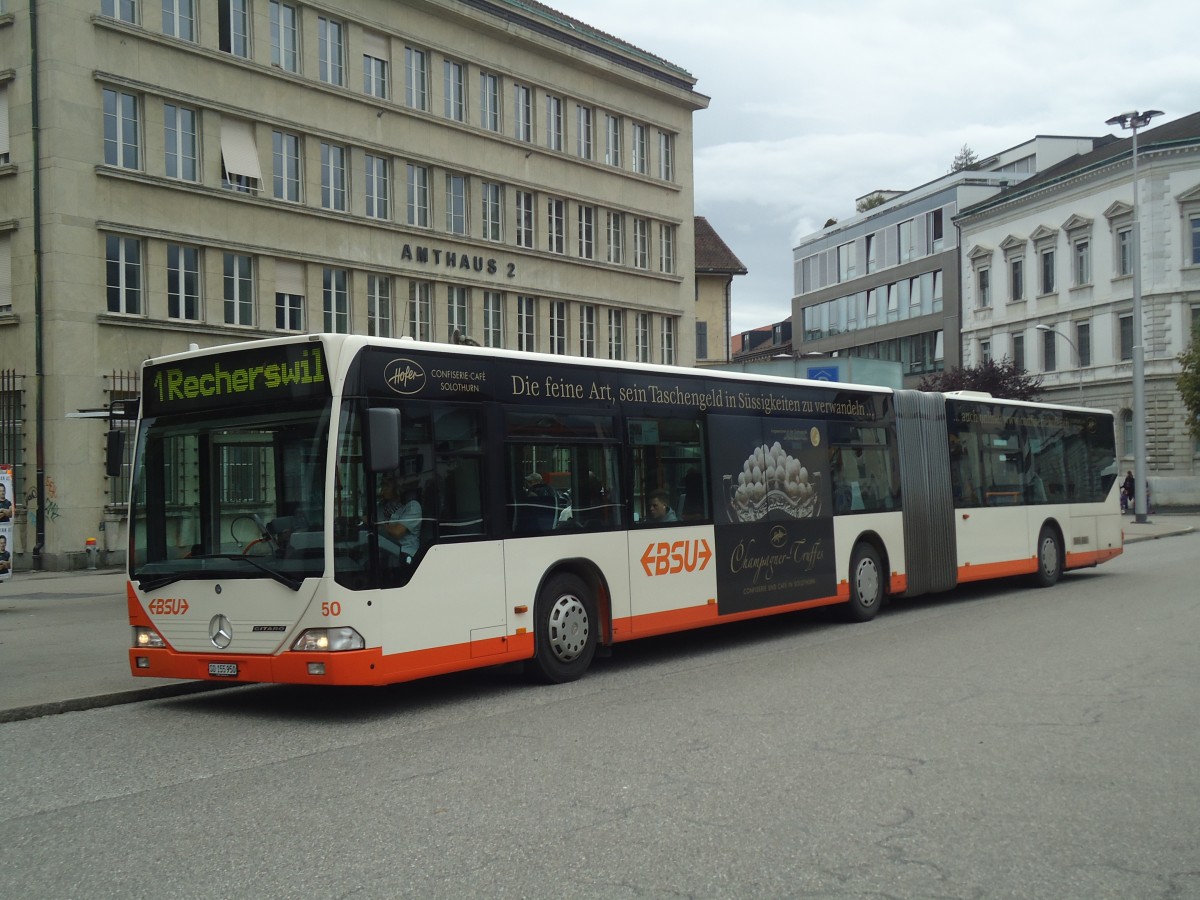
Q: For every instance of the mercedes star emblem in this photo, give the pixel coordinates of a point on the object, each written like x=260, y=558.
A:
x=220, y=632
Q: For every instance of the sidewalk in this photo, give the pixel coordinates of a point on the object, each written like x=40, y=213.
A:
x=64, y=636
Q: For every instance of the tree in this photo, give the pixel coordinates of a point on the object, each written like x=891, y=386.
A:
x=1189, y=381
x=870, y=202
x=1000, y=379
x=965, y=159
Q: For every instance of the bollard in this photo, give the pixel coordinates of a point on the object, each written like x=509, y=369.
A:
x=91, y=553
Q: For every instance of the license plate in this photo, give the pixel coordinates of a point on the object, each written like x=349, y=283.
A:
x=223, y=669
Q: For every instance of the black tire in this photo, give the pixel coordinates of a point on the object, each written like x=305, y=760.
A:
x=566, y=630
x=866, y=584
x=1049, y=557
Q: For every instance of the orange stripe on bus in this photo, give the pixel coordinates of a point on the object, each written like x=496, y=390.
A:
x=1005, y=569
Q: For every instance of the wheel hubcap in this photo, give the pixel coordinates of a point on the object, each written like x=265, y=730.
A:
x=1049, y=556
x=866, y=583
x=569, y=628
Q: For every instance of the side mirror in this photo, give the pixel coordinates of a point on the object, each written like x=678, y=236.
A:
x=114, y=452
x=383, y=439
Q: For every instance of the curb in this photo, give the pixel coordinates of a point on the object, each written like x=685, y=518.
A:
x=1139, y=538
x=119, y=698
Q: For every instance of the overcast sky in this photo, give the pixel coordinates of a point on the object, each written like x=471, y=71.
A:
x=815, y=104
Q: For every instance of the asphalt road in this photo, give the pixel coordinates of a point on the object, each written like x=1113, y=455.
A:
x=1000, y=742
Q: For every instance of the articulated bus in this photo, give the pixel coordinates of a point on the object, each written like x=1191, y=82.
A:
x=336, y=509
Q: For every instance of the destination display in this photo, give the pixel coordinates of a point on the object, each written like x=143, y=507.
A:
x=268, y=373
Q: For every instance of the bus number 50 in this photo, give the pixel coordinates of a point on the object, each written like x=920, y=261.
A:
x=331, y=609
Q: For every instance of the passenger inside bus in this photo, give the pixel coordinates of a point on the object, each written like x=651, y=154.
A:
x=659, y=508
x=400, y=514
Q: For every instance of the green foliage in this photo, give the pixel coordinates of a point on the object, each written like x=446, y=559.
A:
x=870, y=202
x=964, y=159
x=1189, y=381
x=1000, y=379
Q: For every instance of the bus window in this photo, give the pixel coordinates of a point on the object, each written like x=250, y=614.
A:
x=558, y=477
x=458, y=475
x=668, y=456
x=864, y=469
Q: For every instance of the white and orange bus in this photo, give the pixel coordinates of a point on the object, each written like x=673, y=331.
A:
x=335, y=509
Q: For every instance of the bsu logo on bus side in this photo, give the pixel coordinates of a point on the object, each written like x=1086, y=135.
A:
x=682, y=556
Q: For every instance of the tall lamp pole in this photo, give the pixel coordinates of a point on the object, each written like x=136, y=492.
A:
x=1134, y=120
x=1078, y=355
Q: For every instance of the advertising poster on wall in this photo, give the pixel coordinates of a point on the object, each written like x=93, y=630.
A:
x=6, y=522
x=774, y=526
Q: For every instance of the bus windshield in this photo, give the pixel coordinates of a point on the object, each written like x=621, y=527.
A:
x=230, y=497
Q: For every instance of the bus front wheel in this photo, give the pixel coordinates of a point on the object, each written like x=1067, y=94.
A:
x=566, y=630
x=1049, y=557
x=866, y=584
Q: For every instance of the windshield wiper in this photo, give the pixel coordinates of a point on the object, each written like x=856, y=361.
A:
x=285, y=580
x=151, y=583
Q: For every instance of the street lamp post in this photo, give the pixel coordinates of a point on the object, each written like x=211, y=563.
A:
x=1133, y=121
x=1078, y=355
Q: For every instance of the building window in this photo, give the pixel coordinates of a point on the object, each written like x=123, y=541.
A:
x=1083, y=343
x=420, y=305
x=333, y=177
x=983, y=280
x=456, y=204
x=416, y=83
x=1016, y=279
x=456, y=95
x=556, y=225
x=1127, y=442
x=872, y=248
x=587, y=330
x=666, y=249
x=641, y=337
x=378, y=187
x=1047, y=280
x=847, y=260
x=985, y=352
x=1194, y=224
x=493, y=212
x=641, y=150
x=239, y=289
x=1049, y=348
x=289, y=311
x=523, y=112
x=904, y=234
x=616, y=238
x=1083, y=262
x=179, y=19
x=125, y=10
x=183, y=282
x=525, y=219
x=641, y=243
x=379, y=306
x=123, y=268
x=701, y=340
x=179, y=138
x=122, y=142
x=527, y=323
x=668, y=341
x=616, y=334
x=554, y=122
x=285, y=36
x=1125, y=337
x=558, y=327
x=417, y=205
x=493, y=319
x=458, y=301
x=666, y=156
x=583, y=132
x=489, y=101
x=612, y=140
x=935, y=237
x=330, y=51
x=285, y=152
x=587, y=232
x=240, y=170
x=1125, y=250
x=1018, y=348
x=234, y=27
x=375, y=75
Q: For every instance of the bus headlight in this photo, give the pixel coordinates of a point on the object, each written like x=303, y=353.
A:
x=144, y=637
x=329, y=640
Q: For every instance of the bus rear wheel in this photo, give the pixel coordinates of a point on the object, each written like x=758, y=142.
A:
x=566, y=631
x=1049, y=557
x=866, y=584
